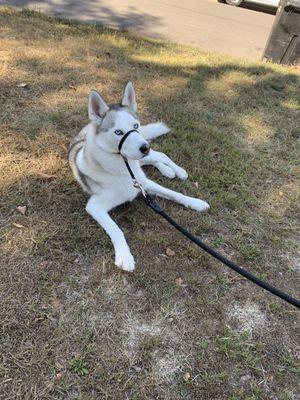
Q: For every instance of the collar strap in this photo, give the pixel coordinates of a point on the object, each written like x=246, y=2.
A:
x=124, y=138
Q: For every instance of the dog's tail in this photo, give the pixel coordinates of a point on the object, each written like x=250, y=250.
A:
x=154, y=130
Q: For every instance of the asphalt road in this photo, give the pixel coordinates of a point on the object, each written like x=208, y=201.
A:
x=204, y=23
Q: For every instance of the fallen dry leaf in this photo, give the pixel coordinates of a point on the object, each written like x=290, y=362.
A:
x=55, y=303
x=179, y=281
x=58, y=378
x=22, y=209
x=18, y=225
x=196, y=184
x=170, y=252
x=22, y=85
x=187, y=376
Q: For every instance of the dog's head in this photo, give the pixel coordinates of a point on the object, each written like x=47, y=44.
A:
x=113, y=121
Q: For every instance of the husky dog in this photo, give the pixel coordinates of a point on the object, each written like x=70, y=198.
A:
x=99, y=167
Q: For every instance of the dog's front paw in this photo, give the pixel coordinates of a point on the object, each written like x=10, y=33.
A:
x=166, y=170
x=171, y=170
x=181, y=173
x=124, y=260
x=197, y=204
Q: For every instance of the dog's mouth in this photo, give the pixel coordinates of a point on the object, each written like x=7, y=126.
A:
x=139, y=157
x=132, y=158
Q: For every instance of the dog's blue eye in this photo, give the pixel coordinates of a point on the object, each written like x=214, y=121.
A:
x=119, y=132
x=136, y=126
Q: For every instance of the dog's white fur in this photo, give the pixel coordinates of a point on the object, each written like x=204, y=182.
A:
x=101, y=171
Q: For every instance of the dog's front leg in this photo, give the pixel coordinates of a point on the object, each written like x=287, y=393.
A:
x=191, y=202
x=164, y=164
x=98, y=210
x=154, y=130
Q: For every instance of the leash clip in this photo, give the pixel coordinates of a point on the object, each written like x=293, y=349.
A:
x=137, y=185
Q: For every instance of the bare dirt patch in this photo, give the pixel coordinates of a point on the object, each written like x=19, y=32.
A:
x=248, y=317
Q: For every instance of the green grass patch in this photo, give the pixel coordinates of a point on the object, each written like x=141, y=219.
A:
x=79, y=366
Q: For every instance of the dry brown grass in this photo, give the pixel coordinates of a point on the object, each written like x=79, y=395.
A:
x=72, y=326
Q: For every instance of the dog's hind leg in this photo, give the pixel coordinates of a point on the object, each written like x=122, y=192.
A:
x=97, y=208
x=191, y=202
x=154, y=130
x=164, y=164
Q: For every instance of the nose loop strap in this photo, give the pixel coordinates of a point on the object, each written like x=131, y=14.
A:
x=124, y=138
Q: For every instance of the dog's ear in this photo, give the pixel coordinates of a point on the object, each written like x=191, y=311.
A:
x=128, y=99
x=97, y=107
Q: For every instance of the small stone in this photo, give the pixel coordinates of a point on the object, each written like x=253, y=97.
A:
x=136, y=368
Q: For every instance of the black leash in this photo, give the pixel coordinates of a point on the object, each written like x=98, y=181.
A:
x=277, y=292
x=159, y=210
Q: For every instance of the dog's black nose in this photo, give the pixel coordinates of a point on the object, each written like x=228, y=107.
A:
x=145, y=148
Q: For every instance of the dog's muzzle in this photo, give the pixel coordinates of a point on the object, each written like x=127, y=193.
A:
x=144, y=149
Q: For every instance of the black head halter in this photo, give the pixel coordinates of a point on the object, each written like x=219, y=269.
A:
x=124, y=138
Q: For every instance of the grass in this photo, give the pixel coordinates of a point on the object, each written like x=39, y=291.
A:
x=78, y=365
x=72, y=326
x=240, y=348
